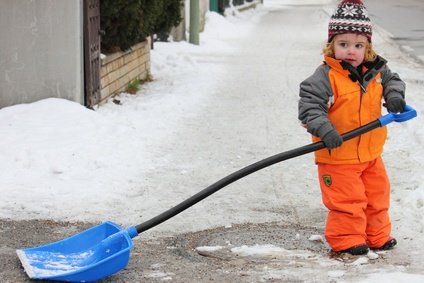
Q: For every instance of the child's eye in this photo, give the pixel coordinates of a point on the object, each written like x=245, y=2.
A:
x=359, y=45
x=343, y=44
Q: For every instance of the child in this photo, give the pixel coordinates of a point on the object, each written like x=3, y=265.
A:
x=345, y=93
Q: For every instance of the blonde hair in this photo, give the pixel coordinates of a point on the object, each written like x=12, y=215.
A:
x=370, y=54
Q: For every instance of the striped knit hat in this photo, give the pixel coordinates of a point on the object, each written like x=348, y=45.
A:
x=351, y=16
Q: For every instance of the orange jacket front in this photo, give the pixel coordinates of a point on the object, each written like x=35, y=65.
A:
x=338, y=96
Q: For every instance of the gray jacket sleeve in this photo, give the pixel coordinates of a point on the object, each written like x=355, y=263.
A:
x=315, y=97
x=392, y=84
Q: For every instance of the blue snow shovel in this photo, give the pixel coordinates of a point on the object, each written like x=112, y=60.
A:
x=105, y=249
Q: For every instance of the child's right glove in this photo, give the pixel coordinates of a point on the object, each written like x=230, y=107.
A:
x=395, y=104
x=332, y=139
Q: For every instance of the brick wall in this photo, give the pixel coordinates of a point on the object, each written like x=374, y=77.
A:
x=120, y=68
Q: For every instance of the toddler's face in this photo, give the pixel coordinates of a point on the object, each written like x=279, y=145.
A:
x=350, y=47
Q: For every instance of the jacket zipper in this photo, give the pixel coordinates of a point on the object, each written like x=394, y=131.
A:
x=362, y=92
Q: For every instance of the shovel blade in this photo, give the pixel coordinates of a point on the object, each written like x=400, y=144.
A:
x=88, y=256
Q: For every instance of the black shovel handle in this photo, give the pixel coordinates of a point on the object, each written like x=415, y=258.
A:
x=408, y=114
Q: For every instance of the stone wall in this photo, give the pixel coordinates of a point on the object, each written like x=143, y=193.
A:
x=120, y=68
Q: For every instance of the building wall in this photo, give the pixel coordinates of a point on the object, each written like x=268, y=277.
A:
x=41, y=50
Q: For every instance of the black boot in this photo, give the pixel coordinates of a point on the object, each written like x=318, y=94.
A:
x=357, y=250
x=388, y=245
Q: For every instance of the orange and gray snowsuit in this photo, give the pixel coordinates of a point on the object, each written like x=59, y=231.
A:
x=353, y=180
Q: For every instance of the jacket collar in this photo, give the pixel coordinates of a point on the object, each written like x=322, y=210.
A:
x=369, y=69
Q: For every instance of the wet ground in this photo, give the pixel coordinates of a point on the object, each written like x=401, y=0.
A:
x=404, y=20
x=170, y=258
x=194, y=257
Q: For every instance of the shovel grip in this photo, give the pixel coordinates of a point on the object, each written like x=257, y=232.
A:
x=406, y=115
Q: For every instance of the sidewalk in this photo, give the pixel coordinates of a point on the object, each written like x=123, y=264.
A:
x=209, y=112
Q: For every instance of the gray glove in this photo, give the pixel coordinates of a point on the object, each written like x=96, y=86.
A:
x=332, y=139
x=396, y=104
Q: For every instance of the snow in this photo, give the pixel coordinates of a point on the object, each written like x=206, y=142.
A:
x=317, y=238
x=209, y=248
x=270, y=251
x=47, y=264
x=397, y=277
x=181, y=132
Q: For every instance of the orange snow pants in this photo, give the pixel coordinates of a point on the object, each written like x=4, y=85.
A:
x=358, y=199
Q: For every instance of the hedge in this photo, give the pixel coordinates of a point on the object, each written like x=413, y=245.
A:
x=127, y=22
